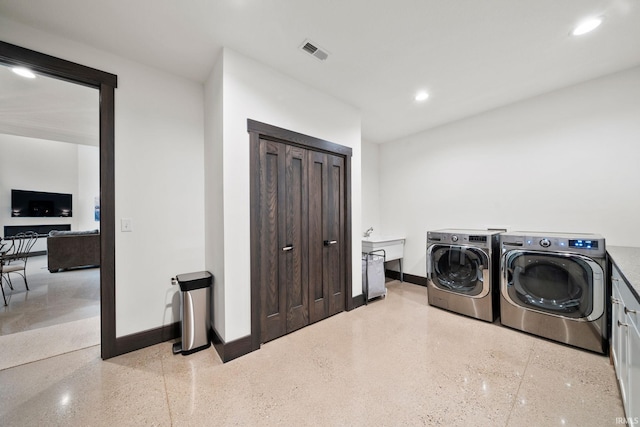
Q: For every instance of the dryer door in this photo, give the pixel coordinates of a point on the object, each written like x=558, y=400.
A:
x=565, y=285
x=459, y=269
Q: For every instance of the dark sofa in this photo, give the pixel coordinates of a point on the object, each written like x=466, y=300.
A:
x=71, y=249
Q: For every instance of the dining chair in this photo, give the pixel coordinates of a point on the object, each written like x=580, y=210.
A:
x=2, y=252
x=2, y=280
x=14, y=260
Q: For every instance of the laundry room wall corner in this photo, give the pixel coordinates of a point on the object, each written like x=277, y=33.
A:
x=486, y=170
x=251, y=90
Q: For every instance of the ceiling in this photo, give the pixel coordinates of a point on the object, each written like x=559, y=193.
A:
x=48, y=108
x=470, y=55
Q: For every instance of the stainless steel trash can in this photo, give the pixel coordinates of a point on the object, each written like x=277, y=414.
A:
x=195, y=303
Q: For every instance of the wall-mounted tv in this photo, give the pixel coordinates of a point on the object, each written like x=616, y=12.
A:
x=40, y=204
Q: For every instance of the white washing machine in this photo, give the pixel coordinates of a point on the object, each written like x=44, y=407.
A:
x=462, y=271
x=554, y=286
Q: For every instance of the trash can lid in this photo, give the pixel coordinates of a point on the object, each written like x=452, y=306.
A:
x=192, y=281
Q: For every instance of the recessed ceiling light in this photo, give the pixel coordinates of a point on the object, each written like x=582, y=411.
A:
x=586, y=26
x=24, y=72
x=421, y=96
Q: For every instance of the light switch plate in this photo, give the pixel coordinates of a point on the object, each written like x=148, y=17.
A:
x=126, y=225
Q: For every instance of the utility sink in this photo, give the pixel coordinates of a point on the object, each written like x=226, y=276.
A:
x=393, y=247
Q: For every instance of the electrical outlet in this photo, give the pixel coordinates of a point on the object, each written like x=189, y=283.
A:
x=126, y=225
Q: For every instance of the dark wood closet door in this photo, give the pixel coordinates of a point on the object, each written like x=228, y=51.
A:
x=285, y=220
x=334, y=232
x=318, y=286
x=300, y=230
x=273, y=308
x=294, y=258
x=301, y=210
x=326, y=235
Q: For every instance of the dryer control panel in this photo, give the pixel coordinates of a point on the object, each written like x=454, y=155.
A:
x=587, y=244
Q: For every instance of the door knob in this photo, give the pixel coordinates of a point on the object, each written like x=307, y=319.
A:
x=330, y=242
x=287, y=248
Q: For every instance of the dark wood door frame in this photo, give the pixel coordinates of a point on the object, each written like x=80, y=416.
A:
x=106, y=83
x=257, y=131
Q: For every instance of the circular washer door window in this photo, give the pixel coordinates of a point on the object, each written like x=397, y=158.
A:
x=459, y=269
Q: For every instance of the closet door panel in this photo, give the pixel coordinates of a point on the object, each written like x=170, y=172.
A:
x=334, y=267
x=296, y=224
x=271, y=200
x=318, y=291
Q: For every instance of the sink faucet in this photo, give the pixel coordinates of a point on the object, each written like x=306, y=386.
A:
x=368, y=232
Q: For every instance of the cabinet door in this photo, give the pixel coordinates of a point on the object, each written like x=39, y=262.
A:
x=633, y=393
x=625, y=342
x=632, y=368
x=621, y=324
x=616, y=310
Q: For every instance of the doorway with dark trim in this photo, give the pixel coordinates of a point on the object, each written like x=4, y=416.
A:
x=106, y=83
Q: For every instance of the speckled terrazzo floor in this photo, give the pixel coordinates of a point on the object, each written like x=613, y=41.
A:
x=53, y=298
x=394, y=362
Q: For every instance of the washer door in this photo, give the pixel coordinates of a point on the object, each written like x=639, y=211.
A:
x=459, y=269
x=565, y=285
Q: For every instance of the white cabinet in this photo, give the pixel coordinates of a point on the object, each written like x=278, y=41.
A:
x=625, y=342
x=619, y=335
x=633, y=395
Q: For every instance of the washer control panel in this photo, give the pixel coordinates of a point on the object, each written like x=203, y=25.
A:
x=476, y=238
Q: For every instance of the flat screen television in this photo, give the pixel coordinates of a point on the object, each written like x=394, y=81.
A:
x=40, y=204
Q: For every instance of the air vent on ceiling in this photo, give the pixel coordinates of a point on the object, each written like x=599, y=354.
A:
x=314, y=50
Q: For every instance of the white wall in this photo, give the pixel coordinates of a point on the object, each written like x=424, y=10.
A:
x=371, y=202
x=88, y=187
x=39, y=165
x=252, y=90
x=160, y=187
x=563, y=161
x=35, y=165
x=214, y=197
x=158, y=172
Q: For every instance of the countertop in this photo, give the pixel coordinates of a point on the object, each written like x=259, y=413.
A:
x=627, y=259
x=382, y=239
